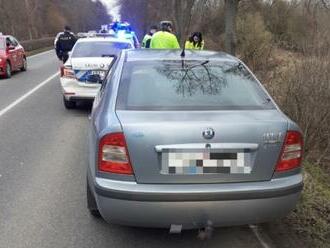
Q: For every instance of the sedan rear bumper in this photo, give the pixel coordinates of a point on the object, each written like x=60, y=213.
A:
x=74, y=90
x=192, y=215
x=193, y=206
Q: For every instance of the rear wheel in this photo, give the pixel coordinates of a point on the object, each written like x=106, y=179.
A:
x=91, y=203
x=69, y=104
x=24, y=66
x=8, y=70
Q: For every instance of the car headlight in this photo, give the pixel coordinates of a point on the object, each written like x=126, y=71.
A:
x=0, y=60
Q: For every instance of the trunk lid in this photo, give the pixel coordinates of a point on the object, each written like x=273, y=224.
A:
x=169, y=147
x=83, y=67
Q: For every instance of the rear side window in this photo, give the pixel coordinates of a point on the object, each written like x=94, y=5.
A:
x=98, y=49
x=8, y=42
x=189, y=85
x=13, y=41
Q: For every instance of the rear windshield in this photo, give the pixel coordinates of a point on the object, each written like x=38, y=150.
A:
x=98, y=49
x=189, y=85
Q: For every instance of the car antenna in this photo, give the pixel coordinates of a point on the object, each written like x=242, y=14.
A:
x=183, y=53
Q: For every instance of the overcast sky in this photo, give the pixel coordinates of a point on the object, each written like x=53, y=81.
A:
x=113, y=10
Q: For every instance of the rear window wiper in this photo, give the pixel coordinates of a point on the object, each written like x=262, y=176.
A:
x=234, y=67
x=191, y=67
x=199, y=64
x=239, y=68
x=267, y=100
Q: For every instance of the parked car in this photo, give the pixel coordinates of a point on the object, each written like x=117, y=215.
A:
x=12, y=56
x=189, y=142
x=87, y=66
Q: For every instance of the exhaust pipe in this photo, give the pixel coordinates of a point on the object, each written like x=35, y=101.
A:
x=175, y=229
x=206, y=232
x=203, y=233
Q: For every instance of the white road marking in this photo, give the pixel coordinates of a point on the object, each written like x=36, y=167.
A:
x=39, y=54
x=26, y=95
x=256, y=232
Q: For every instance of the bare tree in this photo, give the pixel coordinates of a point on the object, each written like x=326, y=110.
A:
x=33, y=19
x=31, y=7
x=182, y=15
x=231, y=7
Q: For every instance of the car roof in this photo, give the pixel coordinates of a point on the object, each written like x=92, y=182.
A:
x=109, y=39
x=175, y=54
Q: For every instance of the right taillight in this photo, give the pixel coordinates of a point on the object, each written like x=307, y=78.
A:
x=67, y=72
x=291, y=154
x=113, y=155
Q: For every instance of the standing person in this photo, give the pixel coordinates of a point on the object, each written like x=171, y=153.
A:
x=195, y=41
x=147, y=38
x=164, y=39
x=64, y=43
x=103, y=31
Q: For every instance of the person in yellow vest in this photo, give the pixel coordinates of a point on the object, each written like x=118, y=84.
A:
x=147, y=38
x=195, y=41
x=164, y=39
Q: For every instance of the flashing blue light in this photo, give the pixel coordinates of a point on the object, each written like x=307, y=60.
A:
x=121, y=34
x=125, y=35
x=121, y=30
x=118, y=26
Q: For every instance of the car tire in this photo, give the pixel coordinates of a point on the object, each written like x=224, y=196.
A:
x=91, y=203
x=8, y=70
x=69, y=104
x=24, y=67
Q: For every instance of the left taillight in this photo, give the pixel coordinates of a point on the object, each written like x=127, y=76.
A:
x=67, y=72
x=113, y=155
x=291, y=155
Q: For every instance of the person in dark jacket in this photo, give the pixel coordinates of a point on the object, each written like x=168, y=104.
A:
x=64, y=43
x=147, y=38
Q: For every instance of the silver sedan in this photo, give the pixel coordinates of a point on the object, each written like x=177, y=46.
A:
x=189, y=142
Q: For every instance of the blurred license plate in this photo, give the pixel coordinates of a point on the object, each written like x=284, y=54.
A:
x=82, y=75
x=205, y=162
x=101, y=73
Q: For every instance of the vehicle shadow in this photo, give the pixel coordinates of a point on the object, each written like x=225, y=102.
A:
x=13, y=74
x=82, y=108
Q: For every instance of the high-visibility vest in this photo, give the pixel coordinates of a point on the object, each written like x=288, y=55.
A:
x=190, y=45
x=164, y=40
x=146, y=41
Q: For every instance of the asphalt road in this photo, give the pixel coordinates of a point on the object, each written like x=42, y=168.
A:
x=42, y=175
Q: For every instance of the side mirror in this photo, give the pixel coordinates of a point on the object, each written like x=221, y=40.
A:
x=94, y=78
x=70, y=53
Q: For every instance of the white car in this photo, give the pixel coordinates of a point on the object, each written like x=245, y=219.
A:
x=88, y=64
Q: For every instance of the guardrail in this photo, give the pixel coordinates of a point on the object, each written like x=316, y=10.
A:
x=30, y=45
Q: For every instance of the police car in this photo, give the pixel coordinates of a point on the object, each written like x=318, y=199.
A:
x=123, y=30
x=88, y=64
